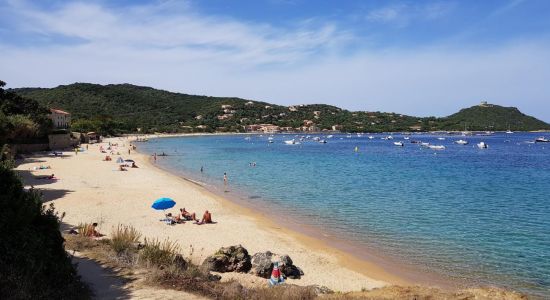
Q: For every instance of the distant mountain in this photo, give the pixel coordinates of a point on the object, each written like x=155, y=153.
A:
x=126, y=107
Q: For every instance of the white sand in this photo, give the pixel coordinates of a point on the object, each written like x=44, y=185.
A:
x=92, y=190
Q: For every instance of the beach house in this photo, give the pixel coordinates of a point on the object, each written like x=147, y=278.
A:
x=60, y=119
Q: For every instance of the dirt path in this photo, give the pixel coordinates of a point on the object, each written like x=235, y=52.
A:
x=105, y=284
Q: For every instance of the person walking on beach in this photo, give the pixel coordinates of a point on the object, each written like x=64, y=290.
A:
x=155, y=157
x=128, y=151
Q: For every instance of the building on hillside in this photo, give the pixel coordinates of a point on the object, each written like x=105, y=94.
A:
x=226, y=106
x=249, y=103
x=252, y=128
x=485, y=104
x=269, y=128
x=61, y=119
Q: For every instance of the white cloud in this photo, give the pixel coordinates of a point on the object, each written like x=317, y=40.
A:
x=186, y=52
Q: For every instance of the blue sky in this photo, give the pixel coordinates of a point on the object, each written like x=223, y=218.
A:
x=414, y=57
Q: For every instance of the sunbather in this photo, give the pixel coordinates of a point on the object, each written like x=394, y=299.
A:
x=134, y=165
x=187, y=215
x=122, y=168
x=206, y=218
x=50, y=177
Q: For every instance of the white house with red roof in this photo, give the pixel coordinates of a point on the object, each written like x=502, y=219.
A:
x=60, y=118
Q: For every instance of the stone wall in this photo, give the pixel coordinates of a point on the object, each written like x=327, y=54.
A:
x=61, y=141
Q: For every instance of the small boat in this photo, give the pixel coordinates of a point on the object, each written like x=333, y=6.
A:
x=462, y=142
x=436, y=147
x=406, y=138
x=400, y=144
x=247, y=138
x=329, y=136
x=389, y=137
x=482, y=145
x=441, y=138
x=509, y=131
x=322, y=141
x=371, y=137
x=270, y=141
x=423, y=144
x=292, y=142
x=270, y=138
x=542, y=140
x=348, y=136
x=316, y=138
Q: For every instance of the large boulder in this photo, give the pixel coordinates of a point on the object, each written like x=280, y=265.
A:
x=228, y=259
x=289, y=269
x=262, y=264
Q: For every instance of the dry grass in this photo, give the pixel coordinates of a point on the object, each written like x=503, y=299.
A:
x=85, y=229
x=158, y=254
x=124, y=239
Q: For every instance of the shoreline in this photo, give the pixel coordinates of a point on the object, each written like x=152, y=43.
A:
x=351, y=254
x=92, y=190
x=349, y=261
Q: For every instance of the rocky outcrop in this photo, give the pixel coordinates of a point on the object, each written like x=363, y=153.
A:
x=289, y=269
x=228, y=259
x=262, y=264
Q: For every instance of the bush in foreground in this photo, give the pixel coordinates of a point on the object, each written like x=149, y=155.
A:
x=33, y=261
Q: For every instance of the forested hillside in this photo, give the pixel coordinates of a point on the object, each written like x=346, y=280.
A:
x=118, y=108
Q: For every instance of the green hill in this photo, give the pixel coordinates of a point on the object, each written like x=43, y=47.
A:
x=119, y=108
x=493, y=117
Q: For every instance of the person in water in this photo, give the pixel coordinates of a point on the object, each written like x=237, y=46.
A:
x=225, y=181
x=202, y=169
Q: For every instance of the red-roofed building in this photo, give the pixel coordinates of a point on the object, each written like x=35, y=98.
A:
x=60, y=118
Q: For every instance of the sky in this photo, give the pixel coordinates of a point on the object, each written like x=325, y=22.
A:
x=423, y=58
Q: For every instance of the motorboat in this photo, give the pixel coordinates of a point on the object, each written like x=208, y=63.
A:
x=542, y=140
x=270, y=141
x=424, y=144
x=400, y=144
x=292, y=142
x=482, y=145
x=329, y=136
x=462, y=142
x=441, y=138
x=322, y=141
x=436, y=147
x=247, y=138
x=316, y=138
x=371, y=137
x=406, y=138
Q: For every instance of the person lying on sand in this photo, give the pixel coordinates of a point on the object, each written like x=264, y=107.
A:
x=170, y=220
x=206, y=218
x=134, y=165
x=107, y=158
x=187, y=215
x=50, y=177
x=122, y=168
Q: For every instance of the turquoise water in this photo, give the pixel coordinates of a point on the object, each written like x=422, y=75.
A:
x=478, y=215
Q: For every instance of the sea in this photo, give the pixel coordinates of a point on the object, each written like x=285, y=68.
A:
x=471, y=215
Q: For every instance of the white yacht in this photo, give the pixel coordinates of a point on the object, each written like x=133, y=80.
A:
x=482, y=145
x=462, y=142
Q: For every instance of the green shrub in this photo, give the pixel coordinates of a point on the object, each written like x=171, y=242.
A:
x=33, y=261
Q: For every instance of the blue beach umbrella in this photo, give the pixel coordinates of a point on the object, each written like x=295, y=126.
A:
x=163, y=203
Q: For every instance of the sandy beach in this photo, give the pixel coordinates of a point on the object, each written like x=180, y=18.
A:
x=92, y=190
